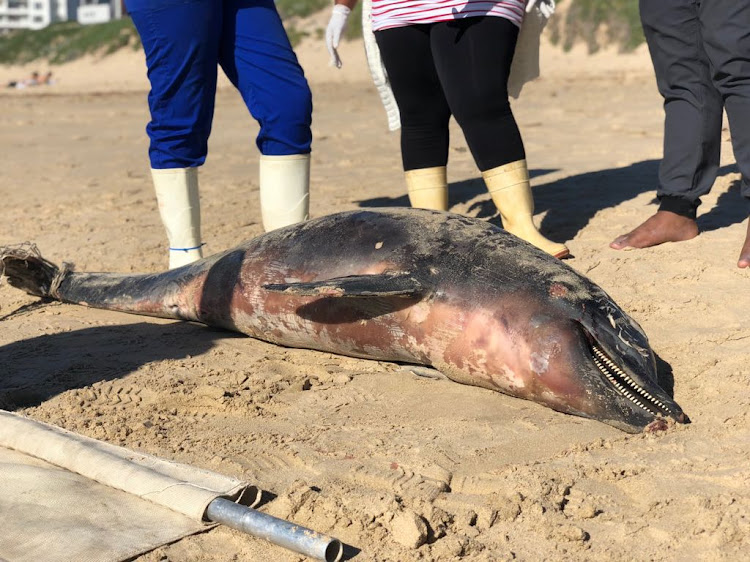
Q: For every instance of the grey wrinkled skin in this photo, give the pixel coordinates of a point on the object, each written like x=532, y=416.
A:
x=435, y=289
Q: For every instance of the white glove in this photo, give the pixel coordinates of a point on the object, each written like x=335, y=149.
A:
x=336, y=26
x=546, y=7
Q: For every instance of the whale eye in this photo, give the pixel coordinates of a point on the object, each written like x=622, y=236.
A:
x=540, y=321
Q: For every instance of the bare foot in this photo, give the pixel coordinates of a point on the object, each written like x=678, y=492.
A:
x=664, y=226
x=745, y=253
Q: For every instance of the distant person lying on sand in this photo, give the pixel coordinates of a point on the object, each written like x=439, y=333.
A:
x=32, y=80
x=47, y=80
x=701, y=56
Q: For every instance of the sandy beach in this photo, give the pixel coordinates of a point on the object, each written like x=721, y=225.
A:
x=400, y=468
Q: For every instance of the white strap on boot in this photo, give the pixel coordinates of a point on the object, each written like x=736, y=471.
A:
x=284, y=190
x=180, y=210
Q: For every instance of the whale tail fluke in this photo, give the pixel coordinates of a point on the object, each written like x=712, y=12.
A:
x=24, y=268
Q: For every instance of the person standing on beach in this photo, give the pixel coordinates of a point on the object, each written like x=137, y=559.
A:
x=184, y=42
x=701, y=56
x=448, y=58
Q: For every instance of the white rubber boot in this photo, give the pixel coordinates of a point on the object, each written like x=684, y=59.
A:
x=284, y=190
x=511, y=192
x=180, y=210
x=428, y=188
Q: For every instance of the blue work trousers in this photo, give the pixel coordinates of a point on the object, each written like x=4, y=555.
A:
x=185, y=41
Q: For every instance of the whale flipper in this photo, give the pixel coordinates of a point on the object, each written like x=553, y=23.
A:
x=388, y=284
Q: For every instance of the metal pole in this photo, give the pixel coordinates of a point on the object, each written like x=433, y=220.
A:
x=278, y=531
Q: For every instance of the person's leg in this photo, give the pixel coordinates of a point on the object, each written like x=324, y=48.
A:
x=692, y=126
x=473, y=58
x=181, y=42
x=257, y=57
x=407, y=58
x=725, y=27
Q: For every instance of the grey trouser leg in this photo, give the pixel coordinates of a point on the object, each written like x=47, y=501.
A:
x=726, y=38
x=692, y=104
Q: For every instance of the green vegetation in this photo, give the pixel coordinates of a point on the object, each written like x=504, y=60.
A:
x=291, y=10
x=300, y=8
x=596, y=22
x=67, y=41
x=599, y=23
x=294, y=34
x=354, y=28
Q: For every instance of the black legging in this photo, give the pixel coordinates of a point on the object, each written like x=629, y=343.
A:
x=457, y=68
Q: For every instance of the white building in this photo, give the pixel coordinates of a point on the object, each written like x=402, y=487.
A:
x=36, y=14
x=31, y=14
x=98, y=11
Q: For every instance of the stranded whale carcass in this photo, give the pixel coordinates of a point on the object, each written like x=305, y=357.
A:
x=408, y=285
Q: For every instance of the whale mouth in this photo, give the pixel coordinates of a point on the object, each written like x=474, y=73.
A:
x=626, y=386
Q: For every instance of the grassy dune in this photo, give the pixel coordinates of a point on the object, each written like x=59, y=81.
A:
x=66, y=41
x=597, y=23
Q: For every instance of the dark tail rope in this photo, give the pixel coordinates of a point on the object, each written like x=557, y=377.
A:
x=29, y=308
x=24, y=268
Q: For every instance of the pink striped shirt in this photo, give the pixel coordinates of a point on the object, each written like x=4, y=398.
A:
x=399, y=13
